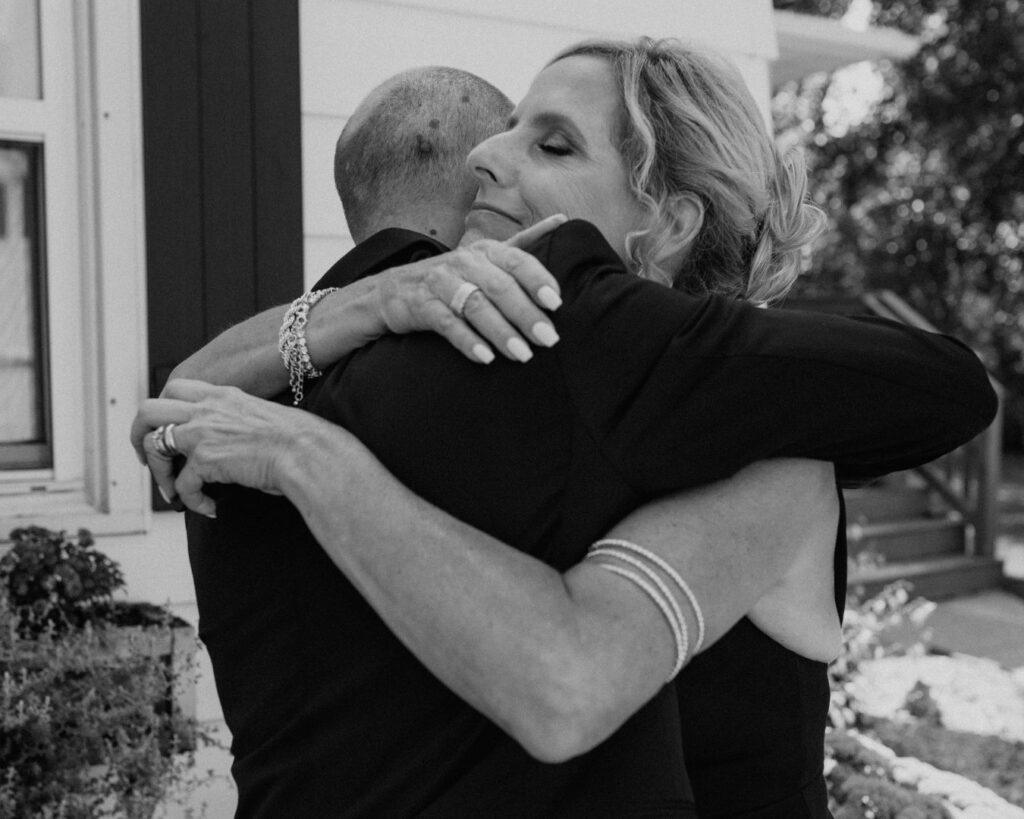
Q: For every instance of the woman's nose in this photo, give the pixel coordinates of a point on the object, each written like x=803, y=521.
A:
x=488, y=163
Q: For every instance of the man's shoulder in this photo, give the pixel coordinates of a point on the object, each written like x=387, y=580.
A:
x=390, y=247
x=575, y=248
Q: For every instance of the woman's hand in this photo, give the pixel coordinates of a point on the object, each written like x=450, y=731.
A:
x=223, y=435
x=507, y=289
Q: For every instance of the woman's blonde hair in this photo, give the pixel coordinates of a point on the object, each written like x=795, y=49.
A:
x=690, y=128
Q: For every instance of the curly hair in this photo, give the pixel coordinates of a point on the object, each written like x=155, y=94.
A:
x=690, y=128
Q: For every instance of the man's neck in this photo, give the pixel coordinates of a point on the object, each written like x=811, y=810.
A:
x=445, y=224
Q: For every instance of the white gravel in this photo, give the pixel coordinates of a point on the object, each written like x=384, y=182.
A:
x=973, y=694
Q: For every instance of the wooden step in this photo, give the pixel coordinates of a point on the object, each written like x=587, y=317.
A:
x=934, y=579
x=1014, y=585
x=901, y=540
x=890, y=503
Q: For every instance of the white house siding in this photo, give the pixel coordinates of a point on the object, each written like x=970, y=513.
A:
x=350, y=46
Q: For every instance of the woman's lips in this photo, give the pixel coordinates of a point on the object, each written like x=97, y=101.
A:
x=483, y=207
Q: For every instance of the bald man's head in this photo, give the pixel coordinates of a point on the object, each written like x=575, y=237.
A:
x=400, y=160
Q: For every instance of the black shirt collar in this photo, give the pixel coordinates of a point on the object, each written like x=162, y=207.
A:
x=387, y=248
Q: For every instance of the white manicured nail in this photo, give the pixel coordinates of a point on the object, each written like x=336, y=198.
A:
x=483, y=352
x=545, y=333
x=549, y=298
x=163, y=494
x=519, y=349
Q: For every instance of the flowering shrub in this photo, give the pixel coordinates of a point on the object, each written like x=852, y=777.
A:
x=55, y=582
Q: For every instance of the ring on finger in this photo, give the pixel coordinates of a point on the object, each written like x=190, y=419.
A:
x=169, y=439
x=163, y=441
x=462, y=294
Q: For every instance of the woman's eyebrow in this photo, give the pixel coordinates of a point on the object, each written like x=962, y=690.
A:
x=555, y=119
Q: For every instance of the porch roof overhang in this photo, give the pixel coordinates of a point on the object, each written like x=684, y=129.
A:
x=808, y=44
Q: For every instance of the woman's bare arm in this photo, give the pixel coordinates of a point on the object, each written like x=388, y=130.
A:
x=560, y=661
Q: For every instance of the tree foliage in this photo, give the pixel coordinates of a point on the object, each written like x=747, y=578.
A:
x=822, y=8
x=926, y=194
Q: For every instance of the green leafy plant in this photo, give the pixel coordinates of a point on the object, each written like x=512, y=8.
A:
x=54, y=581
x=862, y=786
x=88, y=723
x=83, y=732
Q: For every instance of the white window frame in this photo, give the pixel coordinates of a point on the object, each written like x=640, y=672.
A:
x=90, y=123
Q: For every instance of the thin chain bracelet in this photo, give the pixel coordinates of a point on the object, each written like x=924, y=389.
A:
x=291, y=342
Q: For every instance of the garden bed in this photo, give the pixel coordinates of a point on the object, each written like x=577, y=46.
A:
x=934, y=736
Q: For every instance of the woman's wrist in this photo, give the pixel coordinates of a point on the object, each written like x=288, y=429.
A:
x=342, y=322
x=315, y=453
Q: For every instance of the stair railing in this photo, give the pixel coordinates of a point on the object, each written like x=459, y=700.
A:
x=967, y=479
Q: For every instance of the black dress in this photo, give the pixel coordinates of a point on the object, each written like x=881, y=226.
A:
x=332, y=716
x=752, y=714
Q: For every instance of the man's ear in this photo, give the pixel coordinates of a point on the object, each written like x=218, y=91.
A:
x=686, y=212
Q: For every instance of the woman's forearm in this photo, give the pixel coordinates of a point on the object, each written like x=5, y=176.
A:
x=246, y=355
x=558, y=661
x=469, y=607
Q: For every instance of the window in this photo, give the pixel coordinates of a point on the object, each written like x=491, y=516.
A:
x=72, y=262
x=24, y=414
x=21, y=72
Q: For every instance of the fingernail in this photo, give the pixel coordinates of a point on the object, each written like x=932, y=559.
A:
x=549, y=298
x=519, y=349
x=483, y=352
x=163, y=494
x=545, y=333
x=210, y=512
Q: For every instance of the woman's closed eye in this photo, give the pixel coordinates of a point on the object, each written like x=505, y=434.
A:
x=556, y=147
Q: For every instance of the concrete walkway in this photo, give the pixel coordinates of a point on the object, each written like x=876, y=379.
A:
x=989, y=624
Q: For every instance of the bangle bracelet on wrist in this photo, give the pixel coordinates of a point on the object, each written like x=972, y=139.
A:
x=291, y=342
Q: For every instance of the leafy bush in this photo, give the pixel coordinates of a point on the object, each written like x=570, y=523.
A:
x=87, y=723
x=991, y=761
x=862, y=786
x=55, y=582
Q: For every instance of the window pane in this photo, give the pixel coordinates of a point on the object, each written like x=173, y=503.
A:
x=23, y=423
x=20, y=72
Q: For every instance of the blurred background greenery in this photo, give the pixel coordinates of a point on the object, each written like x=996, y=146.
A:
x=920, y=166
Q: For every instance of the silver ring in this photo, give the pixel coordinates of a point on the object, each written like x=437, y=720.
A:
x=462, y=294
x=169, y=439
x=163, y=441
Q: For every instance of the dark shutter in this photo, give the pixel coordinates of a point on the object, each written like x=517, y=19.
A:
x=223, y=169
x=221, y=122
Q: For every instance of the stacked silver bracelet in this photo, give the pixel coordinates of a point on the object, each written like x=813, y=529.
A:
x=644, y=569
x=291, y=342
